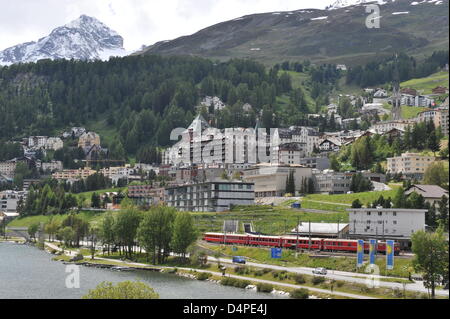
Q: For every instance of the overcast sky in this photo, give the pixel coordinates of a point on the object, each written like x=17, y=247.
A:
x=140, y=22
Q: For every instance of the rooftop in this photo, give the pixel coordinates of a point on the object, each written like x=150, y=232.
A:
x=430, y=191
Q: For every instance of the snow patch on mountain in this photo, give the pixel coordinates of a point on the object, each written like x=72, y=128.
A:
x=339, y=4
x=85, y=38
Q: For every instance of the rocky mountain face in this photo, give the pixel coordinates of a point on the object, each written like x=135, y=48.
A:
x=337, y=34
x=83, y=39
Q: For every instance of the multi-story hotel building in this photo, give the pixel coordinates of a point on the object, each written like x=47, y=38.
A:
x=210, y=197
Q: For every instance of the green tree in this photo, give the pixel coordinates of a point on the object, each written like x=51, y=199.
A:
x=356, y=204
x=123, y=290
x=437, y=174
x=184, y=233
x=95, y=200
x=107, y=231
x=400, y=199
x=67, y=235
x=156, y=231
x=125, y=229
x=415, y=201
x=443, y=212
x=431, y=257
x=51, y=228
x=79, y=225
x=32, y=230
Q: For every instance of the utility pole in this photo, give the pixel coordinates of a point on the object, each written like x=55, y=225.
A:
x=296, y=246
x=338, y=234
x=309, y=235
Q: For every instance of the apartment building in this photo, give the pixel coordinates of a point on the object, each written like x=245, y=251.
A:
x=308, y=136
x=331, y=182
x=9, y=200
x=53, y=166
x=8, y=168
x=270, y=179
x=146, y=194
x=210, y=197
x=444, y=119
x=320, y=163
x=387, y=126
x=73, y=174
x=397, y=224
x=412, y=165
x=89, y=139
x=289, y=153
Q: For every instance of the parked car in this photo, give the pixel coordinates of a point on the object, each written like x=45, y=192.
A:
x=239, y=260
x=320, y=271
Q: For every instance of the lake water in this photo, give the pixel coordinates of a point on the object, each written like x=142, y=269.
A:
x=29, y=273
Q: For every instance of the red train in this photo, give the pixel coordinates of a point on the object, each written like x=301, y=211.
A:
x=290, y=242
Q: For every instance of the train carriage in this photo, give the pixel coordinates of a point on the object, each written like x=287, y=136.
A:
x=291, y=242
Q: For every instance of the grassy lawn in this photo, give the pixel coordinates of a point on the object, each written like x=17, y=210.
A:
x=265, y=219
x=427, y=84
x=410, y=112
x=92, y=217
x=349, y=198
x=88, y=195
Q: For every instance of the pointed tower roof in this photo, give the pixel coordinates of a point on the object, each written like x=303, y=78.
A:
x=199, y=124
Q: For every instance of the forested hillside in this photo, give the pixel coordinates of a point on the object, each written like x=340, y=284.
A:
x=382, y=71
x=141, y=99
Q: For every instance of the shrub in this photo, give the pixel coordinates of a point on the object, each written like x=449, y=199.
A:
x=263, y=287
x=78, y=257
x=300, y=294
x=397, y=293
x=259, y=273
x=317, y=280
x=204, y=276
x=241, y=270
x=279, y=274
x=233, y=282
x=299, y=279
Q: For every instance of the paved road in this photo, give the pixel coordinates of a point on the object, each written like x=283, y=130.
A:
x=343, y=276
x=336, y=275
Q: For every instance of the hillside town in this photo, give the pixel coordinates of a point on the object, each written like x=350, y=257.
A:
x=246, y=166
x=298, y=154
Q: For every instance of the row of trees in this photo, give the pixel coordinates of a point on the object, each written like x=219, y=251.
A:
x=10, y=150
x=306, y=187
x=159, y=231
x=47, y=200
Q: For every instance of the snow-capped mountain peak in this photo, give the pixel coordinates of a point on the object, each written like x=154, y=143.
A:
x=338, y=4
x=85, y=38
